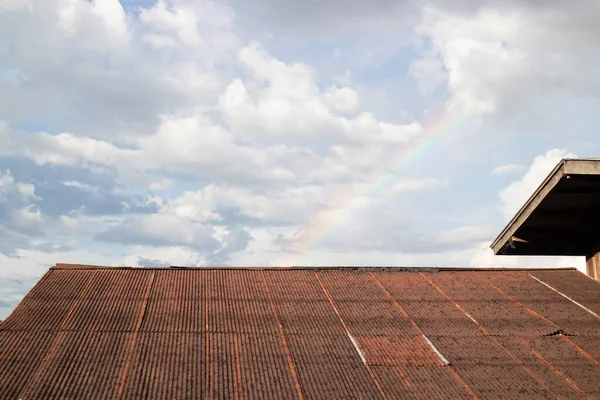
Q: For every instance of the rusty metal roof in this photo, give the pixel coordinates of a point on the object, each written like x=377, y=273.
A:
x=308, y=333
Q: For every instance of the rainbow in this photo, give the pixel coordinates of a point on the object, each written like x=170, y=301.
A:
x=339, y=210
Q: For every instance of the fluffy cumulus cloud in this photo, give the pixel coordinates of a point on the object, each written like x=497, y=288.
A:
x=506, y=58
x=183, y=132
x=20, y=215
x=516, y=194
x=508, y=169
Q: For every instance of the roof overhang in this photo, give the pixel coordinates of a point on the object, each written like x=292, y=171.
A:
x=561, y=218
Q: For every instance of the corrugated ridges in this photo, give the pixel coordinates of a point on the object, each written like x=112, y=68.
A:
x=170, y=315
x=364, y=308
x=430, y=310
x=508, y=381
x=241, y=316
x=112, y=303
x=294, y=285
x=564, y=357
x=265, y=373
x=48, y=303
x=237, y=302
x=394, y=383
x=496, y=313
x=237, y=285
x=308, y=318
x=489, y=370
x=81, y=365
x=397, y=350
x=575, y=285
x=223, y=373
x=119, y=284
x=167, y=366
x=374, y=318
x=434, y=383
x=546, y=303
x=352, y=286
x=549, y=373
x=177, y=302
x=20, y=355
x=471, y=350
x=173, y=284
x=589, y=344
x=214, y=334
x=109, y=315
x=329, y=367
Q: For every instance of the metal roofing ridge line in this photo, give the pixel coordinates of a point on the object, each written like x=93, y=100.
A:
x=61, y=266
x=260, y=268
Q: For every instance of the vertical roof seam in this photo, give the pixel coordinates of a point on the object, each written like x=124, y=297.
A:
x=131, y=352
x=335, y=309
x=283, y=339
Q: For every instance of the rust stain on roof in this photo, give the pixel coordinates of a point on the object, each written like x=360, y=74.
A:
x=304, y=333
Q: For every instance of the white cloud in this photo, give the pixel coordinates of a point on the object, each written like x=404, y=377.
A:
x=161, y=184
x=173, y=255
x=29, y=215
x=483, y=257
x=178, y=20
x=415, y=185
x=341, y=99
x=508, y=169
x=514, y=196
x=113, y=16
x=13, y=5
x=181, y=145
x=20, y=216
x=228, y=206
x=429, y=73
x=161, y=229
x=285, y=101
x=88, y=61
x=501, y=58
x=9, y=187
x=192, y=221
x=79, y=224
x=467, y=234
x=82, y=186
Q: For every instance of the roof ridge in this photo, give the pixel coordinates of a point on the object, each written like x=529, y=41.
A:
x=313, y=268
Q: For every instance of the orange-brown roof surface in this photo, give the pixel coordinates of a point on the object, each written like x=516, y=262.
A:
x=92, y=332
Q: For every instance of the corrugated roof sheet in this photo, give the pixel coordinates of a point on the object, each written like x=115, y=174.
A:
x=93, y=332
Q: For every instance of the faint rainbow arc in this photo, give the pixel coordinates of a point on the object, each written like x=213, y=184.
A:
x=319, y=229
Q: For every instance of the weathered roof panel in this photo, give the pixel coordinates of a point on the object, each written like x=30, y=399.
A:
x=572, y=285
x=87, y=332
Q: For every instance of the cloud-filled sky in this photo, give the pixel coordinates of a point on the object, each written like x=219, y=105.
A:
x=283, y=132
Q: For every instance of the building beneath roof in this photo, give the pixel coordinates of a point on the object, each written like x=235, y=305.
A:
x=561, y=218
x=325, y=333
x=303, y=333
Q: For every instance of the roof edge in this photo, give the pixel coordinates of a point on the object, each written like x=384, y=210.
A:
x=538, y=195
x=311, y=268
x=88, y=266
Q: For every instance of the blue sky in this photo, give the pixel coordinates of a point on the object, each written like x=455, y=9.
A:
x=180, y=132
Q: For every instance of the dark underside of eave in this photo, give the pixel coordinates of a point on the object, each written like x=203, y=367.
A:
x=565, y=223
x=270, y=334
